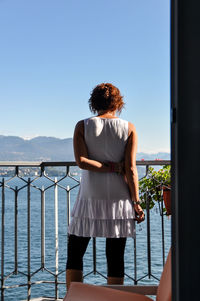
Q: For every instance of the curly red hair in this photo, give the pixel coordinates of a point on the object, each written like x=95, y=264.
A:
x=106, y=97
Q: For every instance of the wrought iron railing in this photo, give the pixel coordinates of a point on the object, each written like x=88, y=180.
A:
x=32, y=177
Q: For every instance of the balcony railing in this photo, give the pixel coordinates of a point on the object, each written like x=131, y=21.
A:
x=35, y=214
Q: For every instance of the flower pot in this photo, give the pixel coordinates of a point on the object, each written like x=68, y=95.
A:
x=167, y=199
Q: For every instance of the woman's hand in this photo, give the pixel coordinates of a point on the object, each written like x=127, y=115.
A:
x=139, y=213
x=119, y=167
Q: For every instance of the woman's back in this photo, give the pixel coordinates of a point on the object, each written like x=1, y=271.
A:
x=106, y=138
x=104, y=202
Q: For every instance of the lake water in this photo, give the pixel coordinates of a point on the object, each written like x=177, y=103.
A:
x=49, y=289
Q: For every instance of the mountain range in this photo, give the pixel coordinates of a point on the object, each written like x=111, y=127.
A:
x=42, y=148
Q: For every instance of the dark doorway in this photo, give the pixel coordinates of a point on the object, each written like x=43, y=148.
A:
x=185, y=148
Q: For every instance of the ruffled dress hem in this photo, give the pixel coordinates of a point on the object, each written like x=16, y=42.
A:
x=109, y=228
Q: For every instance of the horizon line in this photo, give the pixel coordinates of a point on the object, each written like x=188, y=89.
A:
x=146, y=151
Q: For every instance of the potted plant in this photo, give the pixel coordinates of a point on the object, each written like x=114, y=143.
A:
x=156, y=184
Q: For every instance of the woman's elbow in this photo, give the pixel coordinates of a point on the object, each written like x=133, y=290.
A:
x=132, y=170
x=80, y=162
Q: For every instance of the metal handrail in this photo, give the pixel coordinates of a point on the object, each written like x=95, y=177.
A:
x=71, y=163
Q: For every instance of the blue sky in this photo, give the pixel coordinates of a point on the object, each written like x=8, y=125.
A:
x=53, y=52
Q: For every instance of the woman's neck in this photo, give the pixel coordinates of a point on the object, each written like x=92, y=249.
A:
x=107, y=114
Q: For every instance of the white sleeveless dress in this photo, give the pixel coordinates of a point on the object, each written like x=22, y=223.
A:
x=103, y=207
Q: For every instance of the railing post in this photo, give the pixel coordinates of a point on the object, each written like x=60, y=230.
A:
x=56, y=236
x=16, y=230
x=162, y=223
x=135, y=259
x=29, y=237
x=94, y=256
x=148, y=234
x=2, y=238
x=68, y=213
x=42, y=227
x=68, y=206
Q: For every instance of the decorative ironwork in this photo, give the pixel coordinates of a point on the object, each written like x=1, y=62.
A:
x=31, y=183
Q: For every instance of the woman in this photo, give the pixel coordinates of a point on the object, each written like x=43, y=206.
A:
x=108, y=198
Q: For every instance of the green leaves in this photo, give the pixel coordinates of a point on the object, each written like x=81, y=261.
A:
x=152, y=185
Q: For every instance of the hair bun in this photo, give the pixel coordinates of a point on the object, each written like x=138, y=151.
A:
x=105, y=97
x=107, y=91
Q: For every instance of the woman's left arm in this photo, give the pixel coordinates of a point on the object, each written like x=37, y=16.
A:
x=81, y=153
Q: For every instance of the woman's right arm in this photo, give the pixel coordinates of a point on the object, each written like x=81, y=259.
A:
x=131, y=170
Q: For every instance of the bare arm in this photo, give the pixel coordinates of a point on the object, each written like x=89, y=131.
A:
x=131, y=170
x=81, y=153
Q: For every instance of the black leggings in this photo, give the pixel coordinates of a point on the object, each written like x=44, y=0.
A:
x=115, y=247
